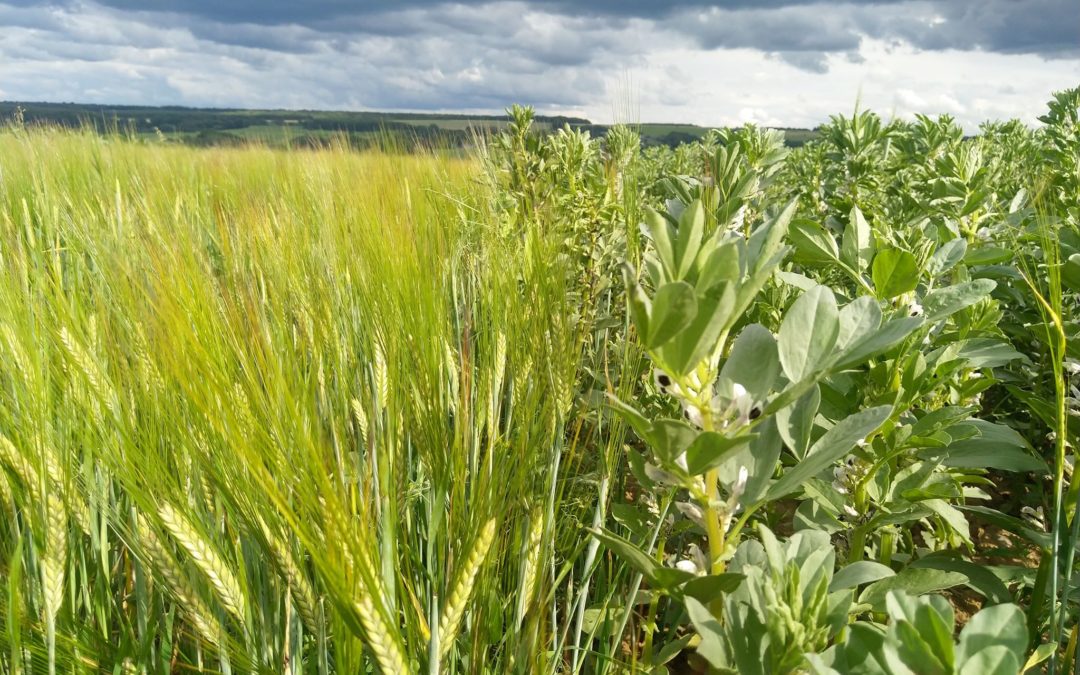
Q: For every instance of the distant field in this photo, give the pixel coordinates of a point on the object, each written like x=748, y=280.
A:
x=205, y=126
x=462, y=124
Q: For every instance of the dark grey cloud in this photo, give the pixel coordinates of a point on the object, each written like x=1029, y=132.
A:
x=316, y=12
x=1045, y=27
x=803, y=33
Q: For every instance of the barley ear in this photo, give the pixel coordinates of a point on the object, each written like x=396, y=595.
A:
x=382, y=376
x=22, y=468
x=207, y=560
x=462, y=589
x=6, y=497
x=303, y=596
x=388, y=652
x=361, y=420
x=532, y=563
x=55, y=558
x=164, y=562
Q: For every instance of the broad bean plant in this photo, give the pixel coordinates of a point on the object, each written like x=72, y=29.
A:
x=857, y=409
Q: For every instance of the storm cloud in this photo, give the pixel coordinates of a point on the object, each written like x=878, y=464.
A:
x=692, y=61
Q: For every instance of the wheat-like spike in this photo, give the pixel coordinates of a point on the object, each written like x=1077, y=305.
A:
x=532, y=560
x=242, y=405
x=388, y=652
x=499, y=367
x=207, y=560
x=18, y=355
x=462, y=589
x=500, y=355
x=382, y=378
x=89, y=369
x=162, y=559
x=6, y=496
x=361, y=419
x=55, y=558
x=92, y=331
x=497, y=376
x=522, y=376
x=207, y=488
x=22, y=467
x=151, y=377
x=302, y=593
x=320, y=378
x=58, y=477
x=452, y=363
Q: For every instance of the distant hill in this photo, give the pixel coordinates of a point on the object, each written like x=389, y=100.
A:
x=222, y=126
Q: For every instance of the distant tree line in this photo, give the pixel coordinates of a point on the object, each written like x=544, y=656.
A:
x=311, y=128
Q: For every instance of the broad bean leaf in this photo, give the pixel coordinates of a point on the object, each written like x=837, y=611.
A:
x=834, y=444
x=947, y=257
x=684, y=352
x=1070, y=272
x=808, y=333
x=1001, y=625
x=754, y=363
x=911, y=580
x=995, y=447
x=858, y=244
x=688, y=241
x=713, y=644
x=859, y=319
x=662, y=235
x=895, y=272
x=947, y=301
x=812, y=243
x=858, y=573
x=880, y=341
x=673, y=308
x=796, y=421
x=710, y=449
x=661, y=577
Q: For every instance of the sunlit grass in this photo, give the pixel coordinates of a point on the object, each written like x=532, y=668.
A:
x=272, y=410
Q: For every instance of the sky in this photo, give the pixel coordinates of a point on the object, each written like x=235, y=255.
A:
x=775, y=62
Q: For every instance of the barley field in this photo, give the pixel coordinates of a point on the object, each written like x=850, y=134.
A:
x=564, y=405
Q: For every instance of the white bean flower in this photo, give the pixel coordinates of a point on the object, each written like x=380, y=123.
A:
x=665, y=383
x=693, y=512
x=695, y=563
x=741, y=406
x=693, y=415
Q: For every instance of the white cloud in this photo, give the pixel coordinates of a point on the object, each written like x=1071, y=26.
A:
x=971, y=85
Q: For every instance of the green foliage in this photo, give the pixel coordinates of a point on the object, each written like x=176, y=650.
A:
x=919, y=639
x=579, y=406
